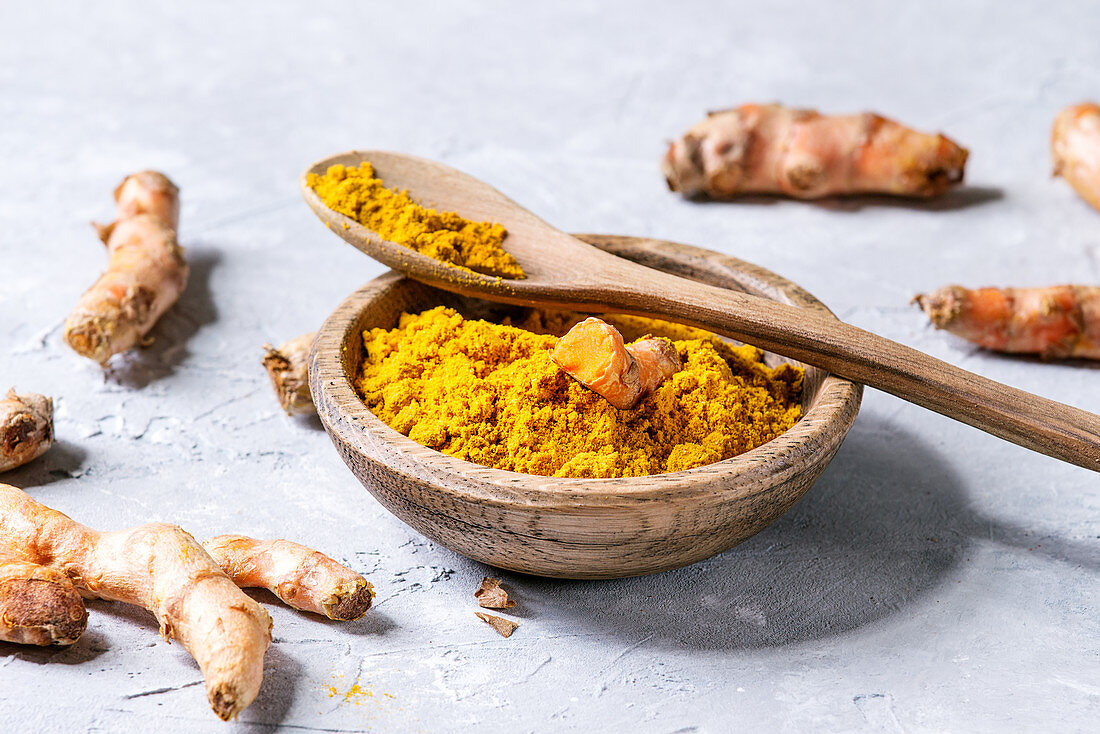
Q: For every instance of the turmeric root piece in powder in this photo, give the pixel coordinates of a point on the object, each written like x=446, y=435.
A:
x=1055, y=322
x=146, y=272
x=38, y=605
x=288, y=368
x=593, y=354
x=491, y=596
x=657, y=361
x=1075, y=145
x=26, y=428
x=504, y=626
x=303, y=578
x=771, y=149
x=163, y=569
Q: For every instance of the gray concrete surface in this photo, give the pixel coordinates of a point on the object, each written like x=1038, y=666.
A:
x=936, y=579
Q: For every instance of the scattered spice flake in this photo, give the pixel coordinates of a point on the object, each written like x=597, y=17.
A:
x=504, y=626
x=354, y=695
x=491, y=596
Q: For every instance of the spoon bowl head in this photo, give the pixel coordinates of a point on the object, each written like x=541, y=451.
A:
x=533, y=242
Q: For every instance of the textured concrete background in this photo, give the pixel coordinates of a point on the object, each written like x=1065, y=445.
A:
x=936, y=579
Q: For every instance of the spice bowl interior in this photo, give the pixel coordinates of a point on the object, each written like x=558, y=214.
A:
x=575, y=528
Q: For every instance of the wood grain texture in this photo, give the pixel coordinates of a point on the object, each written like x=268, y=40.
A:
x=564, y=272
x=576, y=528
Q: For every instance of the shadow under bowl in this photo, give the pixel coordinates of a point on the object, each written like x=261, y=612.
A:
x=575, y=528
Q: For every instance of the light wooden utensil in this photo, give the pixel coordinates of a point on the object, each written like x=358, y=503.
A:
x=564, y=272
x=575, y=528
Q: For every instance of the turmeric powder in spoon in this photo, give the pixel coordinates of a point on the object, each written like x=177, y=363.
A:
x=394, y=216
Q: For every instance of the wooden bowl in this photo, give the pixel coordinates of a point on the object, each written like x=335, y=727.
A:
x=575, y=528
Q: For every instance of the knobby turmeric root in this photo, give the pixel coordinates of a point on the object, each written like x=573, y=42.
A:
x=26, y=428
x=1075, y=145
x=146, y=272
x=303, y=578
x=593, y=354
x=287, y=367
x=1055, y=322
x=771, y=149
x=163, y=569
x=38, y=604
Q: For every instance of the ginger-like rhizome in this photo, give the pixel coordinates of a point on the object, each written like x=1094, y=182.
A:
x=1075, y=146
x=26, y=428
x=1054, y=322
x=146, y=272
x=288, y=368
x=45, y=558
x=38, y=604
x=163, y=569
x=302, y=577
x=772, y=149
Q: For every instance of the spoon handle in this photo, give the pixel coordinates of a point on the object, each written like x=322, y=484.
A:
x=816, y=338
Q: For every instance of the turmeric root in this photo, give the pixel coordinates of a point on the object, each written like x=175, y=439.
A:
x=771, y=149
x=38, y=604
x=163, y=569
x=593, y=354
x=1055, y=322
x=1075, y=145
x=26, y=428
x=145, y=275
x=288, y=368
x=303, y=578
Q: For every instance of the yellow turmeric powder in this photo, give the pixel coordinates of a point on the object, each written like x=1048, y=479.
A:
x=489, y=393
x=394, y=216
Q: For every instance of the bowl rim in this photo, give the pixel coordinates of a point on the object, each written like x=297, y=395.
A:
x=343, y=413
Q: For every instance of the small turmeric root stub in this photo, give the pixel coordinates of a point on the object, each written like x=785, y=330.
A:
x=593, y=354
x=1055, y=322
x=288, y=368
x=772, y=149
x=1075, y=146
x=163, y=569
x=26, y=428
x=38, y=604
x=303, y=578
x=146, y=272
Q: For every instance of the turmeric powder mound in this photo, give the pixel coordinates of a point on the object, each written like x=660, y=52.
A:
x=488, y=393
x=444, y=236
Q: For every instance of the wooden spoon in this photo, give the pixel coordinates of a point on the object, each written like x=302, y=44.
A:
x=563, y=272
